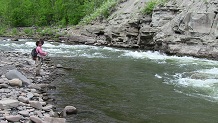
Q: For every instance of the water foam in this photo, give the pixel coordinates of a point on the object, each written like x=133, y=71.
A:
x=103, y=52
x=204, y=82
x=209, y=71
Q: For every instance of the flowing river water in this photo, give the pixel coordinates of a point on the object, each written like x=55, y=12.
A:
x=111, y=85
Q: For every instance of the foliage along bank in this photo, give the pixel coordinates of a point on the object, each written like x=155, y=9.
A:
x=40, y=17
x=23, y=13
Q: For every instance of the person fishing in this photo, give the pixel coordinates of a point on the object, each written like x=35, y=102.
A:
x=40, y=56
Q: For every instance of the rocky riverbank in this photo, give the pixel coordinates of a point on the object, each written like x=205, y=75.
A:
x=178, y=27
x=23, y=95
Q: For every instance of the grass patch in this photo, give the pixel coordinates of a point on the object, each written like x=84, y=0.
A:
x=28, y=31
x=104, y=11
x=47, y=32
x=150, y=5
x=2, y=31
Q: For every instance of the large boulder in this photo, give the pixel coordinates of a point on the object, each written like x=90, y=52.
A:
x=14, y=74
x=68, y=110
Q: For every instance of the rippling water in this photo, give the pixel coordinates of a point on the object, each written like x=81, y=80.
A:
x=131, y=86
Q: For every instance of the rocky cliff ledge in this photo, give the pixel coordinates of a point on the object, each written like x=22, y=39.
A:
x=180, y=27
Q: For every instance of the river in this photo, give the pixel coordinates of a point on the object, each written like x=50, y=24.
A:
x=112, y=85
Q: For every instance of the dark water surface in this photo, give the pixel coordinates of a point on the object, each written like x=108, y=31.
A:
x=126, y=90
x=109, y=85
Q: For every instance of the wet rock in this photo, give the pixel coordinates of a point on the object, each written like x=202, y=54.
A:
x=67, y=110
x=59, y=66
x=70, y=110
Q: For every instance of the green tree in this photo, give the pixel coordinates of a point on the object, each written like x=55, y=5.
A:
x=17, y=13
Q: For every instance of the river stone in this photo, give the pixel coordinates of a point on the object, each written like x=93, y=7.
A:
x=33, y=90
x=36, y=104
x=70, y=110
x=36, y=119
x=15, y=82
x=47, y=108
x=30, y=95
x=13, y=118
x=55, y=120
x=38, y=113
x=8, y=103
x=4, y=85
x=59, y=66
x=43, y=103
x=37, y=95
x=24, y=113
x=28, y=62
x=23, y=99
x=14, y=74
x=53, y=114
x=34, y=86
x=2, y=81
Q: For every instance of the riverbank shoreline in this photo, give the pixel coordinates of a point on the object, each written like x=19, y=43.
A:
x=80, y=36
x=23, y=95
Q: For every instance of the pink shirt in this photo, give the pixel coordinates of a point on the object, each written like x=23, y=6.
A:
x=40, y=52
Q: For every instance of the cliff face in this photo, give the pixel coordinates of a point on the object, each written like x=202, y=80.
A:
x=180, y=27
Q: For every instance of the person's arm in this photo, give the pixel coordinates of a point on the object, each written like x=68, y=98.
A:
x=39, y=50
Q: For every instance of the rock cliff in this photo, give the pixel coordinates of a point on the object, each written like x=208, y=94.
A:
x=179, y=27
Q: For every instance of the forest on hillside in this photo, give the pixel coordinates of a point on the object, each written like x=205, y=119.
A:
x=25, y=13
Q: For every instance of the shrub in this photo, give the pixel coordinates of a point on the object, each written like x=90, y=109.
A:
x=2, y=31
x=104, y=11
x=28, y=31
x=150, y=5
x=14, y=31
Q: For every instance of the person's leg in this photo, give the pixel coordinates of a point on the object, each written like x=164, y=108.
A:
x=38, y=66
